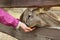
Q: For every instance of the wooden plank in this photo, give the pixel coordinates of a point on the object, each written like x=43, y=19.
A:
x=38, y=34
x=40, y=3
x=24, y=3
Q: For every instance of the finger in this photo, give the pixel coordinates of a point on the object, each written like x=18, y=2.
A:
x=28, y=28
x=32, y=29
x=27, y=31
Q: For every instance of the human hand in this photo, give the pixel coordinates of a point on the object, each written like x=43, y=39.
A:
x=25, y=28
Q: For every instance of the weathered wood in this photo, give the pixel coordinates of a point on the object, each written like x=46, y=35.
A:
x=5, y=3
x=35, y=2
x=38, y=34
x=29, y=3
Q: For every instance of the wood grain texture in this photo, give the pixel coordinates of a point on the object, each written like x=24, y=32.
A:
x=29, y=3
x=35, y=2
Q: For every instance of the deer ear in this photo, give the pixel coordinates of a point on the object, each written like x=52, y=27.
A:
x=21, y=17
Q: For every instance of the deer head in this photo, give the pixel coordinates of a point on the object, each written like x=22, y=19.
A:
x=39, y=17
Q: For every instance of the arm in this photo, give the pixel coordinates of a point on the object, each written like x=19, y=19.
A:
x=7, y=19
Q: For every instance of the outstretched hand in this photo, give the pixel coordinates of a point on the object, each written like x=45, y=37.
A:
x=25, y=28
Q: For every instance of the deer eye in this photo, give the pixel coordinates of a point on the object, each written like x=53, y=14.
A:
x=30, y=15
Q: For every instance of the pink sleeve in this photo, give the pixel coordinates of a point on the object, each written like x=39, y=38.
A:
x=7, y=19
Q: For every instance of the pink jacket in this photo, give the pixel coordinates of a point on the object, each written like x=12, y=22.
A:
x=7, y=19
